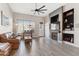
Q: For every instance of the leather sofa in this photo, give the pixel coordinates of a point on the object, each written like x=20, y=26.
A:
x=10, y=39
x=5, y=49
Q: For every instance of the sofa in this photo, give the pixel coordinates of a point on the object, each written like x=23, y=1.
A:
x=10, y=38
x=5, y=49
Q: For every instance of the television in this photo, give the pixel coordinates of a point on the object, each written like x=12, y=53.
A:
x=55, y=26
x=54, y=19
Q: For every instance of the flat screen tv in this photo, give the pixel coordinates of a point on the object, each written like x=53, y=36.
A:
x=55, y=26
x=54, y=19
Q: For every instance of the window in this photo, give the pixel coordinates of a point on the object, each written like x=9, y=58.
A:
x=24, y=25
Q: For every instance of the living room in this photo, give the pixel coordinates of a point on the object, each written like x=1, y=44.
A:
x=39, y=29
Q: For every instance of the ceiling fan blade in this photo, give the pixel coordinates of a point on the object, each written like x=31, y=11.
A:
x=34, y=12
x=38, y=13
x=42, y=7
x=43, y=10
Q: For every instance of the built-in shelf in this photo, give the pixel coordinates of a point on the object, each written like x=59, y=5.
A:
x=68, y=37
x=68, y=26
x=68, y=20
x=70, y=32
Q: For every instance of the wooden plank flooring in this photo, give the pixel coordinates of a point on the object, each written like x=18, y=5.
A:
x=45, y=47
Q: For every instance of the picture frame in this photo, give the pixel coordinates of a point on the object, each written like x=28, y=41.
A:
x=4, y=19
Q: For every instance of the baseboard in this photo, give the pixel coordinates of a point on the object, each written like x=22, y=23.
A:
x=72, y=44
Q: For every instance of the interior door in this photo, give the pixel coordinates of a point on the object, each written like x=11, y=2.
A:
x=41, y=29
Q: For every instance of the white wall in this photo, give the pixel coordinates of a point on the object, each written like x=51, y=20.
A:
x=47, y=31
x=35, y=19
x=6, y=11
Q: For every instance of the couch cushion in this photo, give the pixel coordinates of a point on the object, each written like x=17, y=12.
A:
x=3, y=36
x=8, y=34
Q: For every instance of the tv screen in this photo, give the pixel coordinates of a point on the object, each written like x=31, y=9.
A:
x=54, y=18
x=53, y=27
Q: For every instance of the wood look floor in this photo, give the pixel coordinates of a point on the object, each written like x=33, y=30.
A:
x=45, y=47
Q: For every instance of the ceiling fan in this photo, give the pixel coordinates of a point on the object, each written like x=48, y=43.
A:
x=39, y=10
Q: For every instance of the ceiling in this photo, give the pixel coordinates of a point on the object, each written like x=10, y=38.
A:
x=25, y=8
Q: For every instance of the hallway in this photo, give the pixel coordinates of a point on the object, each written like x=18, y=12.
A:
x=44, y=47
